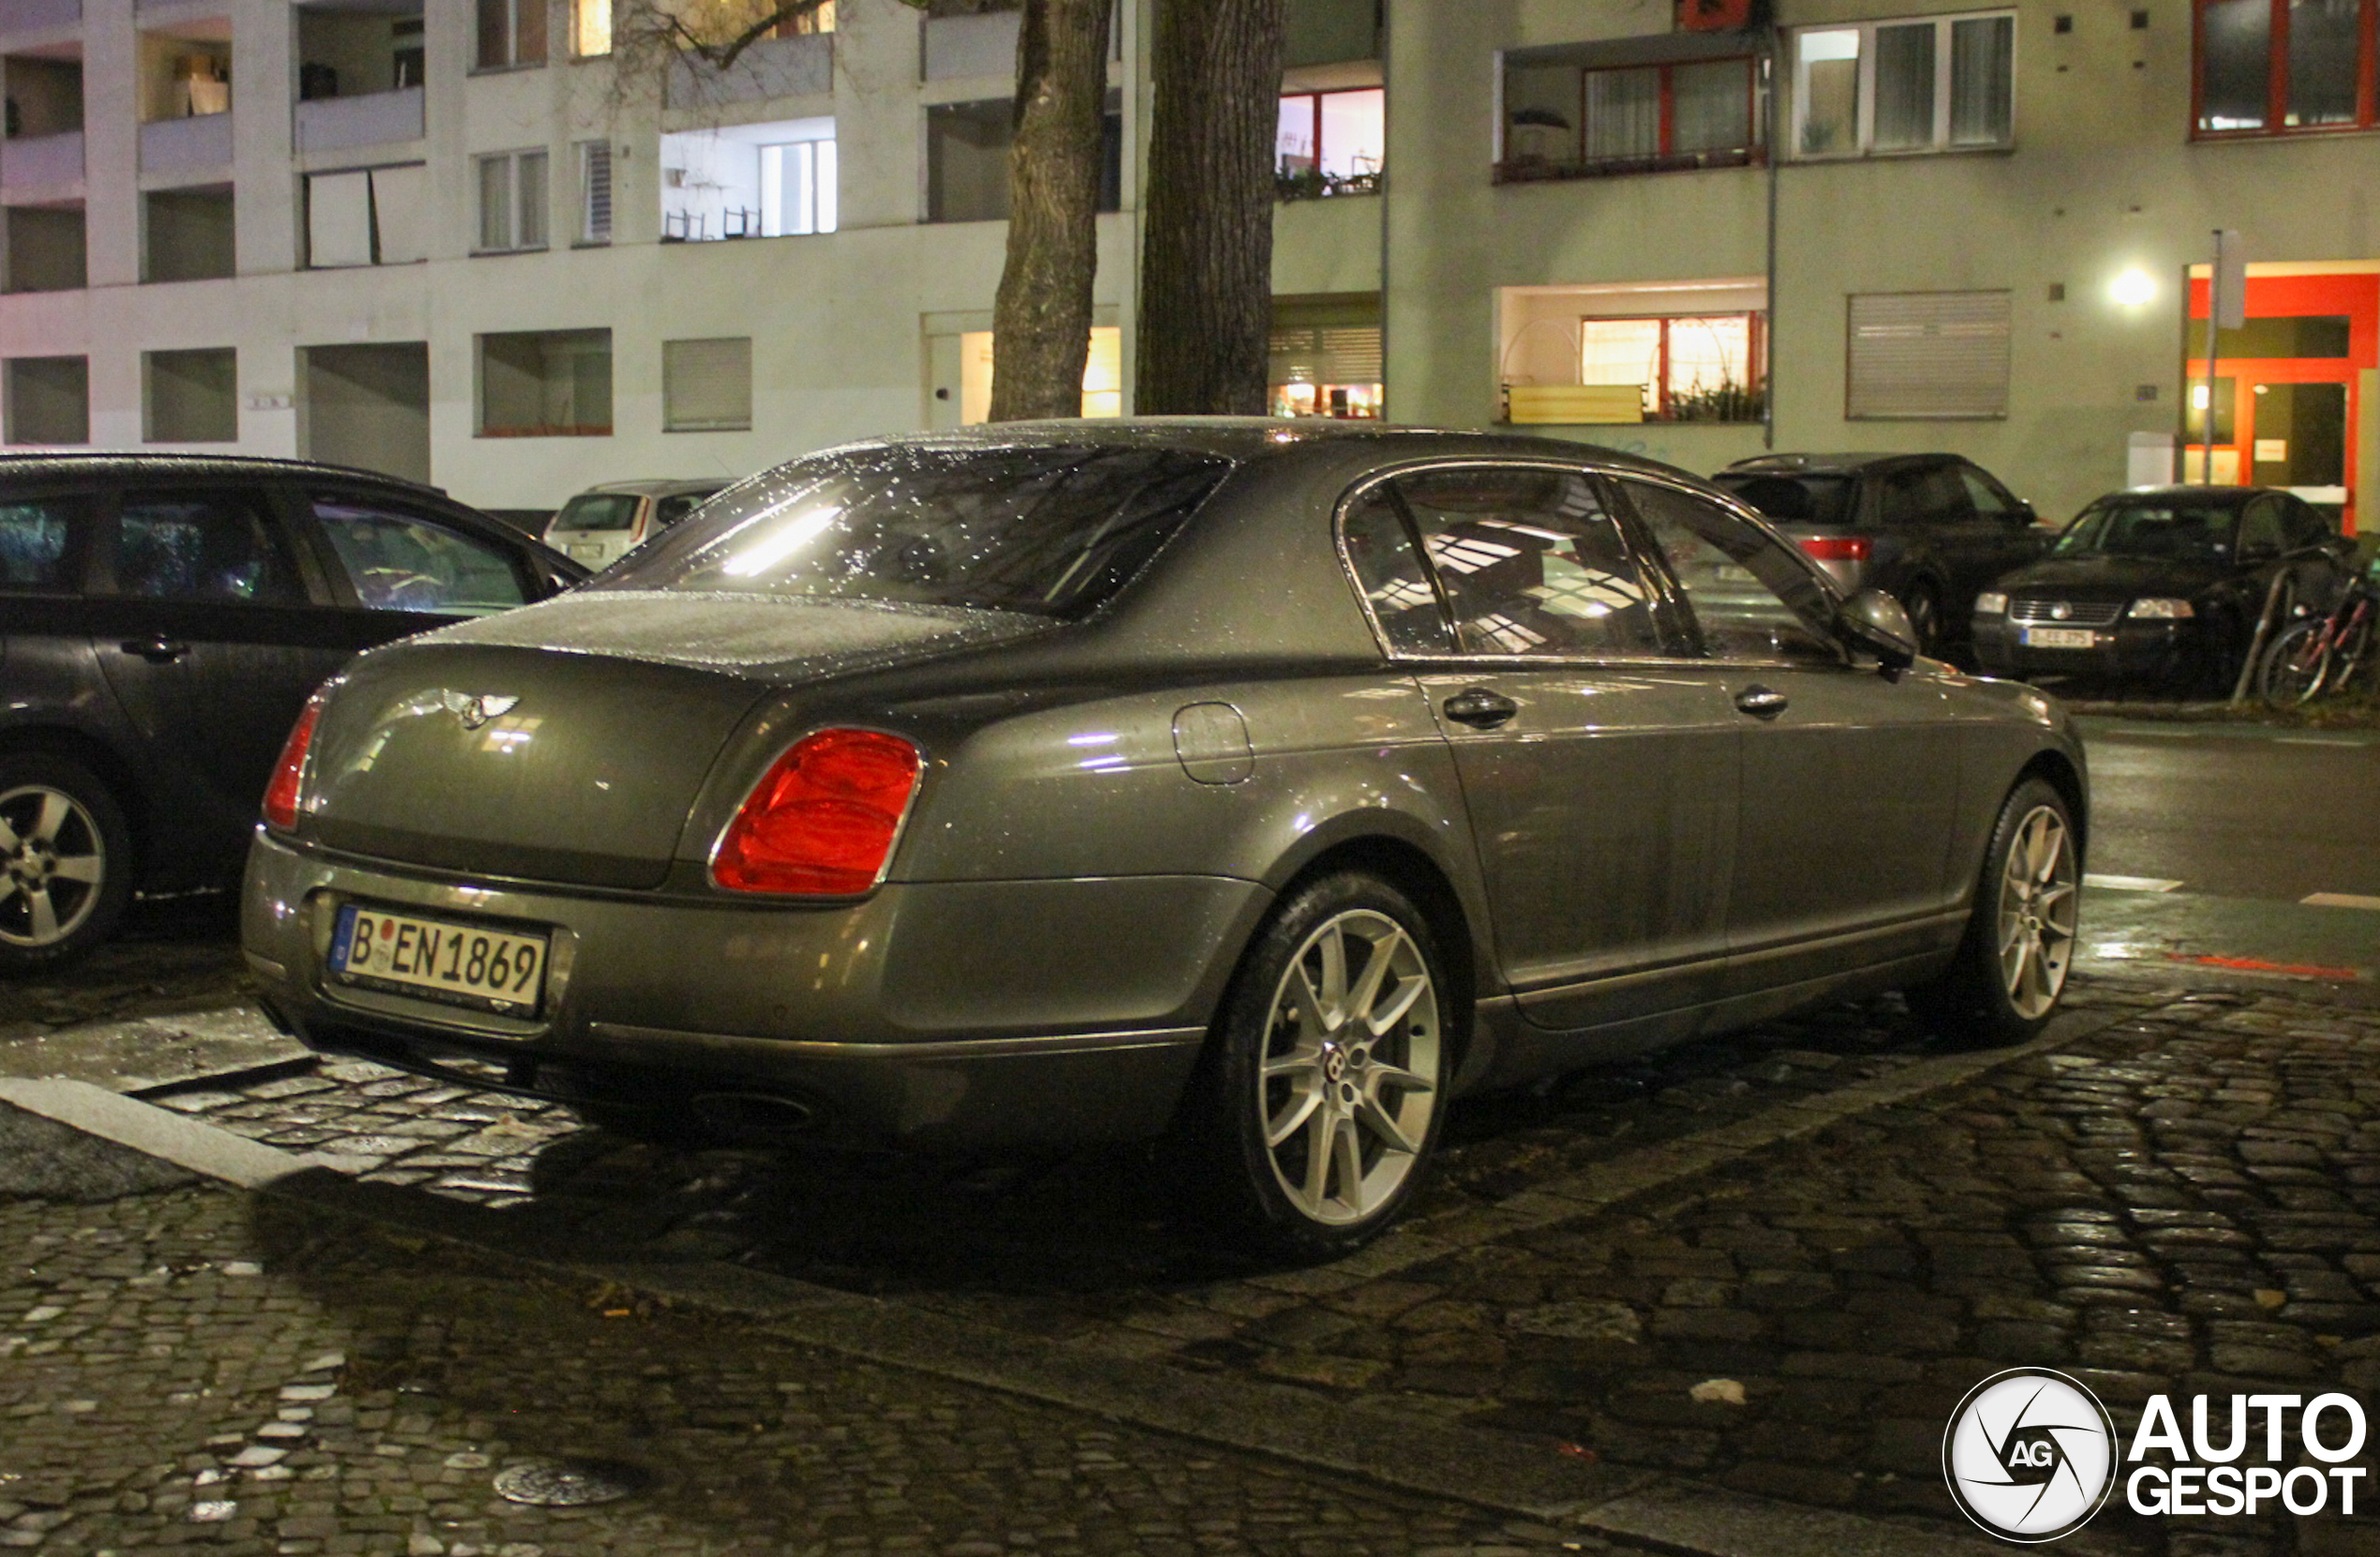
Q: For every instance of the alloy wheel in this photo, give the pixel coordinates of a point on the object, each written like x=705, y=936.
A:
x=1349, y=1081
x=56, y=862
x=2038, y=899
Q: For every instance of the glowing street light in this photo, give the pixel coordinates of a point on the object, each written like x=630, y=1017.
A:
x=2134, y=287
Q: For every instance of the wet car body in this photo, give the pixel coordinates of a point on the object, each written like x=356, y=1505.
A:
x=1604, y=852
x=2169, y=600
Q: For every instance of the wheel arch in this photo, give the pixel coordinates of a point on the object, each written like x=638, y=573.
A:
x=107, y=765
x=2058, y=770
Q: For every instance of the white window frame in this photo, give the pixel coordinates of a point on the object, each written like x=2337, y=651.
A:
x=1944, y=31
x=514, y=161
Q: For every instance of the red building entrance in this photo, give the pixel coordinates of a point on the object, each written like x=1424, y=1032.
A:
x=2287, y=398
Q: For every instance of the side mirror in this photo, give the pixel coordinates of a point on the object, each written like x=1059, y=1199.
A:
x=1874, y=621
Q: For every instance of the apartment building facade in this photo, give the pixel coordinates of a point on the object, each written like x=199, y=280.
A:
x=473, y=240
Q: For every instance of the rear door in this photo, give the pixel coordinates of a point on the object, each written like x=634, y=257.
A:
x=407, y=568
x=1600, y=780
x=213, y=627
x=1849, y=781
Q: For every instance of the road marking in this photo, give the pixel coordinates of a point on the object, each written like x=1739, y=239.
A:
x=2260, y=965
x=2338, y=899
x=2319, y=740
x=2131, y=884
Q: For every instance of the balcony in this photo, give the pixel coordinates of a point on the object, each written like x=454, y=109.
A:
x=27, y=16
x=200, y=144
x=962, y=46
x=374, y=119
x=42, y=162
x=773, y=67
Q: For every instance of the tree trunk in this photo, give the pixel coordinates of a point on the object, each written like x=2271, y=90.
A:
x=1206, y=266
x=1041, y=317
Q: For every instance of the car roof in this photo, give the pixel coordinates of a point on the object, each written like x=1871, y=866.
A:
x=1822, y=464
x=103, y=461
x=2206, y=497
x=660, y=487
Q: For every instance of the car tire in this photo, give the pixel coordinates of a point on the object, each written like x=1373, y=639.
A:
x=1307, y=1144
x=2011, y=967
x=65, y=862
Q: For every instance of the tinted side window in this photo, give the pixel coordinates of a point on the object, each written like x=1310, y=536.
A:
x=2260, y=530
x=1389, y=570
x=669, y=511
x=34, y=533
x=2304, y=526
x=1984, y=496
x=202, y=546
x=1532, y=562
x=1751, y=600
x=404, y=561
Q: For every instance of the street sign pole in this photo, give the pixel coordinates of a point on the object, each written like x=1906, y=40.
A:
x=2226, y=309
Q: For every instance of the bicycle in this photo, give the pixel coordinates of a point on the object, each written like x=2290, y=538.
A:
x=2326, y=653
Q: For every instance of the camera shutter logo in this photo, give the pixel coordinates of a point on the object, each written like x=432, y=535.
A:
x=2029, y=1455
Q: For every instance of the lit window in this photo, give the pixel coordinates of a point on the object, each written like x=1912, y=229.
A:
x=2281, y=67
x=774, y=180
x=1330, y=142
x=1943, y=83
x=1694, y=367
x=590, y=28
x=1102, y=375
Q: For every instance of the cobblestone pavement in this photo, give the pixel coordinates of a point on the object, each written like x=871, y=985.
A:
x=2186, y=1200
x=194, y=1368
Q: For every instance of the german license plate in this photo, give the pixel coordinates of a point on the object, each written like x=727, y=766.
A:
x=585, y=551
x=2059, y=637
x=473, y=965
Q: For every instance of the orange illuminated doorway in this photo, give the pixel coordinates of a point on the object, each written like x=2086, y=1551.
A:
x=2286, y=402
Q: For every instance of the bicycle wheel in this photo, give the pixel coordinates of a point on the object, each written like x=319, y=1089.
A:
x=2293, y=667
x=2351, y=664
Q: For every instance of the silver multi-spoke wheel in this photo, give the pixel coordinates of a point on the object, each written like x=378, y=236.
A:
x=1347, y=1088
x=2037, y=913
x=56, y=860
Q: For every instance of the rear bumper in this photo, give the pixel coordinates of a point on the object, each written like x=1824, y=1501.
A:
x=948, y=1015
x=2149, y=652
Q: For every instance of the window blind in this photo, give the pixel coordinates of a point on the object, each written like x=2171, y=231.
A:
x=396, y=214
x=1928, y=355
x=707, y=385
x=595, y=191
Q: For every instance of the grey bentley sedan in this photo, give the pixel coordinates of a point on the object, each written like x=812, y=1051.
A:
x=1251, y=787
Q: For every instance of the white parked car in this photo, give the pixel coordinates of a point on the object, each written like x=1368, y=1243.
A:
x=602, y=524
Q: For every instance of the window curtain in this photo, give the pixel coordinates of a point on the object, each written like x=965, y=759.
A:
x=1904, y=87
x=2322, y=60
x=1982, y=80
x=1711, y=105
x=1623, y=114
x=2237, y=62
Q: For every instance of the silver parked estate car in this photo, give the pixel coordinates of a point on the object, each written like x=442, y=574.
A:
x=1254, y=787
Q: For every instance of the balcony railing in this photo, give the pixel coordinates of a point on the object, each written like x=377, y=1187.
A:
x=42, y=162
x=373, y=119
x=25, y=16
x=195, y=145
x=773, y=67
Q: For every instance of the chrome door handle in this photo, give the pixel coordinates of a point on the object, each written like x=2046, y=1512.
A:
x=1480, y=708
x=158, y=649
x=1762, y=702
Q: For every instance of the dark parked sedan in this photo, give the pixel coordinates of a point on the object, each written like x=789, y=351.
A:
x=1928, y=529
x=1255, y=787
x=164, y=620
x=2162, y=586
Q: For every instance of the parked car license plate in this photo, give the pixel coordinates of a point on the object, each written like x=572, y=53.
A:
x=2059, y=637
x=491, y=970
x=585, y=551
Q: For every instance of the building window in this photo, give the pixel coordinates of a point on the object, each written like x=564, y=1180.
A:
x=1325, y=355
x=1686, y=367
x=967, y=160
x=45, y=249
x=773, y=180
x=513, y=32
x=512, y=201
x=2281, y=67
x=186, y=235
x=1613, y=352
x=1944, y=83
x=594, y=191
x=1927, y=356
x=190, y=396
x=590, y=28
x=47, y=400
x=1102, y=375
x=707, y=386
x=1330, y=142
x=545, y=383
x=367, y=216
x=1588, y=119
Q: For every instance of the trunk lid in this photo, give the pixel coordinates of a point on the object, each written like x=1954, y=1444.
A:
x=568, y=742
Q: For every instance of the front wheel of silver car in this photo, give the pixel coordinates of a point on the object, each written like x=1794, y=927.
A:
x=65, y=862
x=1321, y=1099
x=2011, y=967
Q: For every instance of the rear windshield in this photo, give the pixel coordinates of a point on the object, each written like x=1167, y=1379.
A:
x=1050, y=531
x=2191, y=531
x=597, y=511
x=1791, y=500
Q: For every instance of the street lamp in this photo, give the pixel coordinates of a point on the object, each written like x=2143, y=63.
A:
x=2134, y=287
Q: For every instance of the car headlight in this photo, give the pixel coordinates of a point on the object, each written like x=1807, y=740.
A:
x=1991, y=603
x=2160, y=609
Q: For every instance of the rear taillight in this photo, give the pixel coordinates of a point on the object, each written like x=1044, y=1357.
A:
x=1837, y=548
x=822, y=820
x=281, y=794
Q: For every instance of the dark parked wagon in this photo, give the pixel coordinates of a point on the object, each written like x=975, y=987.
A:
x=1254, y=786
